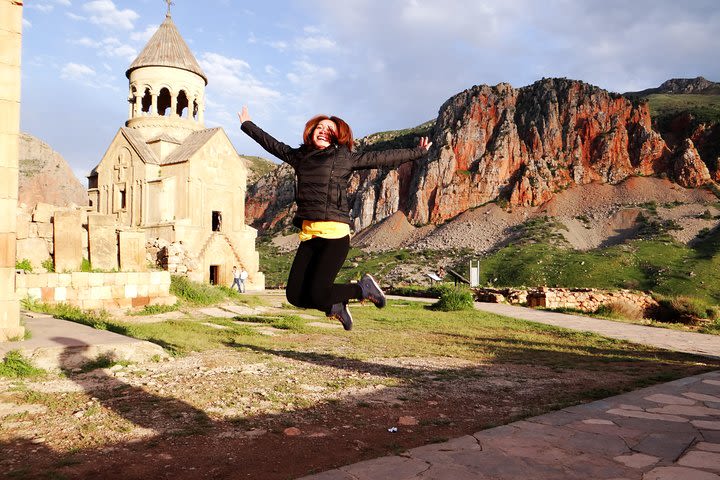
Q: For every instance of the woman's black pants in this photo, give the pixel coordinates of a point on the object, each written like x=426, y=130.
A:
x=311, y=283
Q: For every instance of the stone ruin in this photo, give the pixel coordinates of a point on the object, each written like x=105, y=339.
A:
x=585, y=299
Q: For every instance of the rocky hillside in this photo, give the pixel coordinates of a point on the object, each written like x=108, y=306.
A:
x=516, y=146
x=46, y=177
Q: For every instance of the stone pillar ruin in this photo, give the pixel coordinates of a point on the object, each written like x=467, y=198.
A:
x=68, y=234
x=10, y=39
x=102, y=246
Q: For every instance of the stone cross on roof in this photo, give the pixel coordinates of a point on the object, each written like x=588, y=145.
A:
x=169, y=2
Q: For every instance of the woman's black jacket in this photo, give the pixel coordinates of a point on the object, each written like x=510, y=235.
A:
x=323, y=174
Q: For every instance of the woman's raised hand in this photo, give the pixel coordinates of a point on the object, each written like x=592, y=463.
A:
x=243, y=115
x=425, y=143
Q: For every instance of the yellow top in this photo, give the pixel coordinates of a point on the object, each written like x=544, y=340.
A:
x=323, y=229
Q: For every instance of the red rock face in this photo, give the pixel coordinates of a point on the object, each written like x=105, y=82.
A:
x=525, y=144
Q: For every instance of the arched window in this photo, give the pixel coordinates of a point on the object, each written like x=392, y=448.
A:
x=182, y=103
x=163, y=102
x=146, y=101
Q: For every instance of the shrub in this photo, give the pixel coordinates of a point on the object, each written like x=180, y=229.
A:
x=194, y=292
x=683, y=309
x=14, y=365
x=622, y=310
x=48, y=265
x=24, y=265
x=453, y=299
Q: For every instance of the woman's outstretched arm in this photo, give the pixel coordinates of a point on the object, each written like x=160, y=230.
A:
x=268, y=142
x=391, y=158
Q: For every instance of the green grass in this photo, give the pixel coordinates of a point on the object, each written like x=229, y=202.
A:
x=705, y=108
x=24, y=265
x=14, y=365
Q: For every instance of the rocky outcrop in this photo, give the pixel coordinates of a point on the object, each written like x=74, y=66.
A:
x=519, y=146
x=525, y=144
x=45, y=177
x=688, y=168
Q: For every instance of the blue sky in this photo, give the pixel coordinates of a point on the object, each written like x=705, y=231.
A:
x=378, y=64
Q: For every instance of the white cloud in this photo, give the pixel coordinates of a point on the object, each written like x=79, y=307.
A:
x=306, y=73
x=144, y=36
x=26, y=23
x=76, y=71
x=104, y=12
x=64, y=3
x=42, y=7
x=230, y=77
x=75, y=17
x=109, y=47
x=314, y=43
x=279, y=45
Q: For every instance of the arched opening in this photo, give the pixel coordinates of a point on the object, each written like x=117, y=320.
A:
x=146, y=101
x=163, y=102
x=182, y=103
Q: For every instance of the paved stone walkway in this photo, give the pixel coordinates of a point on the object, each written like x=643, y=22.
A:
x=688, y=342
x=665, y=432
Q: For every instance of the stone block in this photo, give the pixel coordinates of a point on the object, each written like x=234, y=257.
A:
x=9, y=109
x=132, y=252
x=96, y=279
x=133, y=278
x=80, y=280
x=163, y=300
x=47, y=294
x=120, y=278
x=9, y=148
x=22, y=225
x=140, y=301
x=35, y=293
x=43, y=213
x=91, y=304
x=45, y=230
x=8, y=282
x=61, y=294
x=20, y=279
x=102, y=241
x=33, y=249
x=9, y=195
x=143, y=290
x=131, y=291
x=68, y=241
x=101, y=293
x=7, y=250
x=64, y=279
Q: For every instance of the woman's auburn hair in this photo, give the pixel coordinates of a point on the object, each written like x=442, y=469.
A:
x=344, y=132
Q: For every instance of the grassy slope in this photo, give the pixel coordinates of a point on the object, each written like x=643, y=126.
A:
x=705, y=108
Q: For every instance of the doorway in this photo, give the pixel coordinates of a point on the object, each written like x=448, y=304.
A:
x=214, y=274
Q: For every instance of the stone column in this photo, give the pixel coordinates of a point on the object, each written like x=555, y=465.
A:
x=173, y=106
x=10, y=39
x=153, y=107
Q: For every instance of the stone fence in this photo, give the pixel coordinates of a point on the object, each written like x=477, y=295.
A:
x=585, y=299
x=97, y=290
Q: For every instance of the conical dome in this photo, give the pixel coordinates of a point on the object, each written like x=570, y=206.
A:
x=167, y=48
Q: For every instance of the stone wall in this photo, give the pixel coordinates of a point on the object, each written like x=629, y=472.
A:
x=97, y=290
x=585, y=299
x=10, y=42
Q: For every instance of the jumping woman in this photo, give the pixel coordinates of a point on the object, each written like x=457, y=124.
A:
x=323, y=164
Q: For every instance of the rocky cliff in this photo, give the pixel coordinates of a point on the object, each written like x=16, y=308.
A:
x=519, y=146
x=45, y=177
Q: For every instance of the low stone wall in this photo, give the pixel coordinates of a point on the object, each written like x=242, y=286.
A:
x=585, y=299
x=97, y=290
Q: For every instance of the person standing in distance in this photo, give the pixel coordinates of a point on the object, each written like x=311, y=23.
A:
x=323, y=164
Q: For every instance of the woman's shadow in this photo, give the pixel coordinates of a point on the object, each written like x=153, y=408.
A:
x=135, y=404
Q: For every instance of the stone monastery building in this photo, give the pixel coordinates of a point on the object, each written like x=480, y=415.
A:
x=167, y=174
